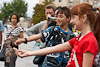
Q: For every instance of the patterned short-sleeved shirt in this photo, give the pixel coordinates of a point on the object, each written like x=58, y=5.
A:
x=16, y=31
x=50, y=37
x=53, y=36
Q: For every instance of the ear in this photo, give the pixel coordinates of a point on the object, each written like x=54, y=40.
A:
x=68, y=19
x=84, y=17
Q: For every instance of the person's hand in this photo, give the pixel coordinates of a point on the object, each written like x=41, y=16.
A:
x=19, y=41
x=48, y=16
x=38, y=41
x=21, y=53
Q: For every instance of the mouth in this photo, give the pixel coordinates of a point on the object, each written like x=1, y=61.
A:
x=59, y=21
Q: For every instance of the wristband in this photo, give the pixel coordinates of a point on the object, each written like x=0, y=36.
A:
x=25, y=41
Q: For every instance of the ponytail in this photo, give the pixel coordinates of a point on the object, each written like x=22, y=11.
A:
x=96, y=27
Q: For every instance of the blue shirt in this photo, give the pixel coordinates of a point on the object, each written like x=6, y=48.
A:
x=1, y=26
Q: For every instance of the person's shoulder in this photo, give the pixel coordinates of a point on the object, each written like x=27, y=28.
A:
x=44, y=21
x=1, y=22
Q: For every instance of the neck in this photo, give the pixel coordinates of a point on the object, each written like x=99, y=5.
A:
x=64, y=27
x=84, y=31
x=14, y=25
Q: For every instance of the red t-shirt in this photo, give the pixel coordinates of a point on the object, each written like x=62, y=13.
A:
x=87, y=43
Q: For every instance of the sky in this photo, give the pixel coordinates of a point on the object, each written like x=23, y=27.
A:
x=31, y=4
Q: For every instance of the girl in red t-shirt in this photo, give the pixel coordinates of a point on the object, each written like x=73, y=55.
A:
x=84, y=47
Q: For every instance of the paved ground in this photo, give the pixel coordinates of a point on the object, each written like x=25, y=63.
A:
x=27, y=61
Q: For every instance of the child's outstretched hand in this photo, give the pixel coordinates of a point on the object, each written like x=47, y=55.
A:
x=21, y=53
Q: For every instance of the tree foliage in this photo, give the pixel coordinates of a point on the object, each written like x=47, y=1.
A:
x=39, y=11
x=19, y=6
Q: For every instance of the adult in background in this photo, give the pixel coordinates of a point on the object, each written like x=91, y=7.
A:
x=49, y=10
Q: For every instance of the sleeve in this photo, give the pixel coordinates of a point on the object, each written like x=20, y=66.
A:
x=33, y=30
x=21, y=30
x=46, y=34
x=1, y=26
x=89, y=46
x=72, y=41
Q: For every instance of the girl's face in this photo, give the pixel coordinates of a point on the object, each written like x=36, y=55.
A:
x=76, y=22
x=14, y=19
x=61, y=19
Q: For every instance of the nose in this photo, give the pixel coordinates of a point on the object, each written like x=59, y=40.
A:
x=71, y=21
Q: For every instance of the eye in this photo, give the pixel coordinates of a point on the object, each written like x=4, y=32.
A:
x=72, y=17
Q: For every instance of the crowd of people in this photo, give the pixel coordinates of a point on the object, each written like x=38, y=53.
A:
x=57, y=41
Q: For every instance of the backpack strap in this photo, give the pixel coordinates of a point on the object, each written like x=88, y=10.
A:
x=68, y=35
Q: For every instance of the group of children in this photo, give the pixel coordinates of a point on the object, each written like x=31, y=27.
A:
x=84, y=48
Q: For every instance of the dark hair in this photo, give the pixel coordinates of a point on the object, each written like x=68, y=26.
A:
x=14, y=13
x=59, y=7
x=96, y=28
x=64, y=10
x=50, y=6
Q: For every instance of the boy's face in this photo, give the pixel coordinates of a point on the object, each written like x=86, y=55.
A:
x=61, y=19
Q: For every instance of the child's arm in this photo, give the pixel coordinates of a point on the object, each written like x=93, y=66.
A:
x=87, y=59
x=59, y=48
x=30, y=38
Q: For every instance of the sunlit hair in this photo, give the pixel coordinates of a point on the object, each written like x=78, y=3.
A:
x=84, y=8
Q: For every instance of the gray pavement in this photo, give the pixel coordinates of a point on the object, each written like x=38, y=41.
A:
x=27, y=61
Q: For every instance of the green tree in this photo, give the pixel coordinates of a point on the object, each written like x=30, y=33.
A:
x=1, y=18
x=39, y=11
x=19, y=6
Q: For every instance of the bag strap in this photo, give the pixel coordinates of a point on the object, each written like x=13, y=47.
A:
x=11, y=31
x=75, y=59
x=68, y=35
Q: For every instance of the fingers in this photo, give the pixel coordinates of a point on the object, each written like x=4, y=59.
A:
x=21, y=53
x=17, y=42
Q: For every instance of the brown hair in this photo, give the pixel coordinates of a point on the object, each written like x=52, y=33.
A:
x=50, y=6
x=85, y=8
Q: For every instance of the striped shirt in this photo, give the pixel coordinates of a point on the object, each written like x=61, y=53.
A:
x=16, y=31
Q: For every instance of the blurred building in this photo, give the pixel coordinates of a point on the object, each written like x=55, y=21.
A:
x=21, y=22
x=25, y=22
x=71, y=3
x=29, y=23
